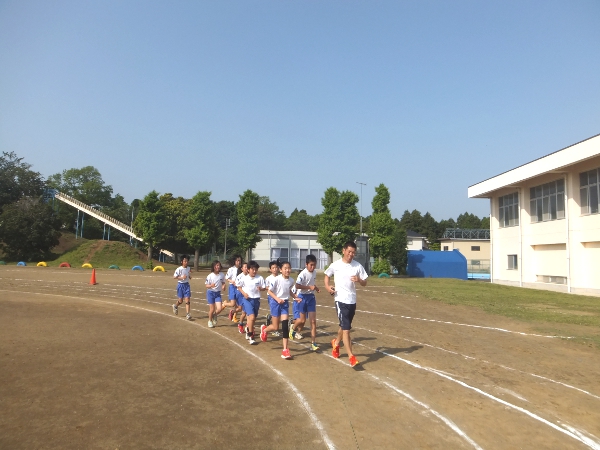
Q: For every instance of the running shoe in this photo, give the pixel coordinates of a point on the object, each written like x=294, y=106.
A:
x=353, y=361
x=263, y=333
x=230, y=316
x=297, y=335
x=215, y=318
x=236, y=320
x=247, y=333
x=292, y=333
x=175, y=309
x=240, y=327
x=251, y=341
x=336, y=349
x=286, y=354
x=275, y=334
x=314, y=347
x=211, y=324
x=268, y=319
x=188, y=316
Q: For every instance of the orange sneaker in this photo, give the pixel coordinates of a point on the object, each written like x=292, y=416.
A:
x=336, y=349
x=353, y=361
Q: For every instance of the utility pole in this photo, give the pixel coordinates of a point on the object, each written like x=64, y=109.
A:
x=361, y=185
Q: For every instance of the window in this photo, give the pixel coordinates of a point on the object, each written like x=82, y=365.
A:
x=512, y=262
x=547, y=201
x=409, y=241
x=282, y=253
x=445, y=248
x=508, y=213
x=589, y=190
x=298, y=258
x=475, y=248
x=551, y=279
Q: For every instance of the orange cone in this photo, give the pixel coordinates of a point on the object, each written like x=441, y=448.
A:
x=93, y=279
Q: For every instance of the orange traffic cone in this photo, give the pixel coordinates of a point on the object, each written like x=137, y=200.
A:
x=93, y=279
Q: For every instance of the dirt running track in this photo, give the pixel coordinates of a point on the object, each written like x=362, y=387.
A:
x=110, y=366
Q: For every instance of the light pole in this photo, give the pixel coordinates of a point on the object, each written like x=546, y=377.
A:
x=227, y=223
x=361, y=185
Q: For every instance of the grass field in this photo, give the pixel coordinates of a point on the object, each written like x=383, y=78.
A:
x=549, y=311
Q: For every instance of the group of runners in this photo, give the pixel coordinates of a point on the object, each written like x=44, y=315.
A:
x=245, y=286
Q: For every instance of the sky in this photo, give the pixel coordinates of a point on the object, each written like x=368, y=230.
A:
x=289, y=98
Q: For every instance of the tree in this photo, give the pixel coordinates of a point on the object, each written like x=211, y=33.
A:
x=28, y=229
x=270, y=217
x=398, y=253
x=411, y=221
x=301, y=221
x=337, y=223
x=17, y=180
x=151, y=224
x=248, y=227
x=226, y=210
x=176, y=211
x=485, y=223
x=468, y=221
x=381, y=224
x=201, y=231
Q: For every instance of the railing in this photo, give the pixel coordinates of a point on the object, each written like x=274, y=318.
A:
x=464, y=233
x=478, y=268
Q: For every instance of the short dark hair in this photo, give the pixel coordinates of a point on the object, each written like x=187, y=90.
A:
x=184, y=257
x=253, y=265
x=214, y=264
x=311, y=258
x=350, y=244
x=283, y=263
x=273, y=263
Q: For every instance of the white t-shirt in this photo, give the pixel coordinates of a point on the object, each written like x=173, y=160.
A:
x=345, y=290
x=218, y=280
x=239, y=278
x=250, y=285
x=306, y=278
x=231, y=274
x=269, y=281
x=182, y=271
x=281, y=287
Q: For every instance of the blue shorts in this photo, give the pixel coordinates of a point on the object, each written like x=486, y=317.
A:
x=212, y=297
x=307, y=305
x=239, y=298
x=251, y=306
x=183, y=290
x=233, y=292
x=345, y=313
x=277, y=309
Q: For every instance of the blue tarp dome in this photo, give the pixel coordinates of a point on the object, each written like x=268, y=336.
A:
x=432, y=264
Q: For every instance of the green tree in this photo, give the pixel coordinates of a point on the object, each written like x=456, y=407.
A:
x=429, y=228
x=28, y=229
x=381, y=224
x=398, y=253
x=270, y=217
x=150, y=223
x=176, y=210
x=17, y=180
x=226, y=210
x=248, y=226
x=411, y=221
x=468, y=221
x=485, y=223
x=301, y=221
x=202, y=230
x=338, y=221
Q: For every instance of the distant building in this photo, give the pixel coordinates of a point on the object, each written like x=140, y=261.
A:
x=545, y=221
x=415, y=241
x=474, y=245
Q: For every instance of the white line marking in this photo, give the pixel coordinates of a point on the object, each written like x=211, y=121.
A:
x=294, y=389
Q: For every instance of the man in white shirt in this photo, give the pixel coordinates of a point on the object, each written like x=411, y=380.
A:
x=347, y=273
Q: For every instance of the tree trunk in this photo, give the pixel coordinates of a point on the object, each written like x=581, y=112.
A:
x=149, y=252
x=196, y=259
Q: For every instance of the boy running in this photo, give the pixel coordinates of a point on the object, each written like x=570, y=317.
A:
x=307, y=304
x=239, y=298
x=250, y=286
x=183, y=275
x=232, y=273
x=215, y=283
x=274, y=268
x=279, y=293
x=347, y=272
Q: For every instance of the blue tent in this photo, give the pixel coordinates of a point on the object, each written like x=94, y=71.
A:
x=431, y=264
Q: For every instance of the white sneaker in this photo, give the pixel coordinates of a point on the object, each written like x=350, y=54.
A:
x=251, y=341
x=188, y=316
x=211, y=324
x=215, y=317
x=175, y=309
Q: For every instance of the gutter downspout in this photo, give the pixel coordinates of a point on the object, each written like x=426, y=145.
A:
x=520, y=240
x=491, y=240
x=568, y=241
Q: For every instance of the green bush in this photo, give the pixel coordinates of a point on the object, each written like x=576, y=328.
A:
x=382, y=266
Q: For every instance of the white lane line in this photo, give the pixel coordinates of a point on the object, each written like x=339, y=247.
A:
x=399, y=391
x=316, y=422
x=456, y=323
x=592, y=443
x=569, y=386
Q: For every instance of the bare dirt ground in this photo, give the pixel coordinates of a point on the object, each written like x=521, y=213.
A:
x=110, y=366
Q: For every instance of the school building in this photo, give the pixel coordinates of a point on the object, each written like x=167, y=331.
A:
x=292, y=246
x=474, y=244
x=545, y=221
x=415, y=241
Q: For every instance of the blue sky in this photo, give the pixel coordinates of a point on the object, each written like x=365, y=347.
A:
x=288, y=98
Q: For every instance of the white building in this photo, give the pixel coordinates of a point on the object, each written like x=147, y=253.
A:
x=292, y=246
x=545, y=221
x=415, y=241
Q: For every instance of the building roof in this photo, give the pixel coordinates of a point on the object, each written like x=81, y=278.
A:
x=556, y=161
x=465, y=234
x=414, y=234
x=289, y=233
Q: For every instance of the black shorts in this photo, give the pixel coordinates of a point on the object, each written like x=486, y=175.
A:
x=345, y=313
